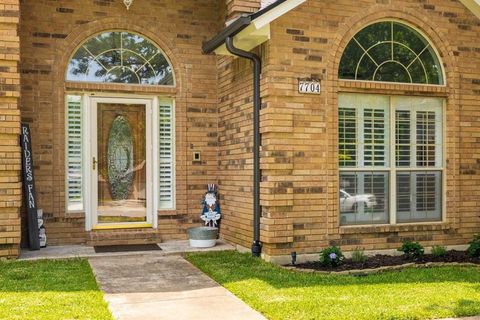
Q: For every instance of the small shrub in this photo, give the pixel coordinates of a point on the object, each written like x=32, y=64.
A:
x=411, y=249
x=439, y=251
x=474, y=248
x=331, y=257
x=358, y=255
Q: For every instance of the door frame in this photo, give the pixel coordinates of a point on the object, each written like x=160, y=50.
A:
x=90, y=142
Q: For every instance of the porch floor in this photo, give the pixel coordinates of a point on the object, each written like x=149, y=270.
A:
x=83, y=251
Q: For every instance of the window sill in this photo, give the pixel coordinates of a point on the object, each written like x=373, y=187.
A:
x=430, y=226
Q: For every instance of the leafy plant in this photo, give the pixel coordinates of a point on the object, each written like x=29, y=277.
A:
x=331, y=257
x=411, y=249
x=474, y=248
x=358, y=255
x=439, y=251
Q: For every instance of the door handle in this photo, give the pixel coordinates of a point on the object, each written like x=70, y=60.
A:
x=94, y=163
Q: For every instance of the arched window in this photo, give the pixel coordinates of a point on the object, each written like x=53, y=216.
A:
x=389, y=51
x=120, y=57
x=390, y=146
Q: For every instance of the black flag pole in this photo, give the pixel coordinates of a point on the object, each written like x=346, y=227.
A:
x=29, y=194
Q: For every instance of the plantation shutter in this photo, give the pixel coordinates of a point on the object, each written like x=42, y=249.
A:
x=74, y=165
x=166, y=156
x=375, y=136
x=347, y=136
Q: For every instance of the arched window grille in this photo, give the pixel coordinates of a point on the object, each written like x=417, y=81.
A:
x=390, y=51
x=120, y=57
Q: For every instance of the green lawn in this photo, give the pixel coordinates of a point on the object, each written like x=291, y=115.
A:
x=283, y=294
x=54, y=289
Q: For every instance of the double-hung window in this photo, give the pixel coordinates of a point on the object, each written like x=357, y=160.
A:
x=390, y=159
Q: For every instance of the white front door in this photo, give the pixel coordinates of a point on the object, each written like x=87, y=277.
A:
x=121, y=162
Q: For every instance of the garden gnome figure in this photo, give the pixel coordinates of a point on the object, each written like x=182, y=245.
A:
x=211, y=208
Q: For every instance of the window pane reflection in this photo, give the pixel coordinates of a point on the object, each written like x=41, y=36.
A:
x=120, y=57
x=363, y=198
x=419, y=196
x=390, y=51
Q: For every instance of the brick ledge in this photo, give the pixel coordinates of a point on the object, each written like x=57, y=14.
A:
x=395, y=228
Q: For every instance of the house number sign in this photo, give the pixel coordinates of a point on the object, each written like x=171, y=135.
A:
x=309, y=86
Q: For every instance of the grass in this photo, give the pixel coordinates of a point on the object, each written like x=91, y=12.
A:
x=53, y=289
x=284, y=294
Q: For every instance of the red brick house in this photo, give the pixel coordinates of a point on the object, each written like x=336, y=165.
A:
x=134, y=111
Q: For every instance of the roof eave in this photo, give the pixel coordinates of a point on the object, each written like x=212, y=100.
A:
x=231, y=30
x=262, y=18
x=250, y=30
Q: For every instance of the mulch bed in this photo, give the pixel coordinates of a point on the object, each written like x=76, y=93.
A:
x=381, y=260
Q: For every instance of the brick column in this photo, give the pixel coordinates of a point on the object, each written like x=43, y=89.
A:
x=10, y=162
x=237, y=7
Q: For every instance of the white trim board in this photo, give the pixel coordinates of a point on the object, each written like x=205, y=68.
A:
x=473, y=6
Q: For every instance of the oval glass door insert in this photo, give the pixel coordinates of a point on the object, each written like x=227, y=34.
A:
x=120, y=158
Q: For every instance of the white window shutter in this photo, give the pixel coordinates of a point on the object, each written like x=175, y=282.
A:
x=166, y=156
x=74, y=151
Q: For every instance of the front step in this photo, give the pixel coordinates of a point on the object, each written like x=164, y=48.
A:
x=122, y=237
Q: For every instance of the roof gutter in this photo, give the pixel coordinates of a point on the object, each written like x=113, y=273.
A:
x=257, y=70
x=257, y=21
x=236, y=26
x=226, y=37
x=230, y=31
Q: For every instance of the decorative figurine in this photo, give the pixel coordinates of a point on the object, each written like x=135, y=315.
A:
x=206, y=236
x=211, y=208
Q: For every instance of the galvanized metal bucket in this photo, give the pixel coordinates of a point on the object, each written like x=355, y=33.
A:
x=203, y=237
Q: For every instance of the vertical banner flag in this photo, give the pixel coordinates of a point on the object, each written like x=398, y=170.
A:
x=29, y=195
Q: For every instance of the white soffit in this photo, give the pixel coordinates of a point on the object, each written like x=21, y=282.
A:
x=259, y=29
x=266, y=3
x=472, y=5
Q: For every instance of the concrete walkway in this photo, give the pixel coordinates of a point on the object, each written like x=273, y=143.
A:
x=164, y=287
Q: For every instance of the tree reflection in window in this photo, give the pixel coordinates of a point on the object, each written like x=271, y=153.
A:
x=390, y=52
x=120, y=57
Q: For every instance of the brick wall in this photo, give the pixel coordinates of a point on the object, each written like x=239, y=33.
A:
x=300, y=139
x=237, y=7
x=50, y=32
x=10, y=163
x=235, y=129
x=299, y=189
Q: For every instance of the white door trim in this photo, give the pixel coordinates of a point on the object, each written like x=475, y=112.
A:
x=90, y=150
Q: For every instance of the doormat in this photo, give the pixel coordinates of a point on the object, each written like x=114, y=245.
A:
x=127, y=248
